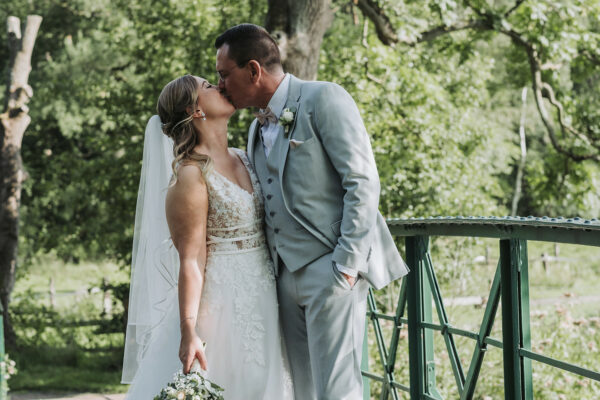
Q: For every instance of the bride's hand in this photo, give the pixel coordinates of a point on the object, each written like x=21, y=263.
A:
x=191, y=348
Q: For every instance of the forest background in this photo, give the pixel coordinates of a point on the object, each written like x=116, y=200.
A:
x=474, y=107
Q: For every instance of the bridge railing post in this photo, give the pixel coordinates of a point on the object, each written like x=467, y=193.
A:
x=516, y=334
x=421, y=355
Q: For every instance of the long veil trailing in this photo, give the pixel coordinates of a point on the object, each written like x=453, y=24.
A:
x=155, y=262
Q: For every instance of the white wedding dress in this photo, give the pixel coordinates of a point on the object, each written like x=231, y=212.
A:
x=238, y=315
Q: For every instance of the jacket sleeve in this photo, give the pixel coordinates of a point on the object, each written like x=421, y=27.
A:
x=347, y=145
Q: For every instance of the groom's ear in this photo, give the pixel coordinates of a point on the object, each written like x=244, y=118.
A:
x=255, y=70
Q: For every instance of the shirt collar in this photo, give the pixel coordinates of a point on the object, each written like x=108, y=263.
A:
x=280, y=96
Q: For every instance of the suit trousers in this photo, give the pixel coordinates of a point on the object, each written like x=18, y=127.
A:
x=323, y=321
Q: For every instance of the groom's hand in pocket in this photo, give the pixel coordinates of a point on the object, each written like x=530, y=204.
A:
x=190, y=349
x=351, y=279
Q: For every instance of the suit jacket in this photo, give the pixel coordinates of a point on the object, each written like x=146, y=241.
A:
x=329, y=180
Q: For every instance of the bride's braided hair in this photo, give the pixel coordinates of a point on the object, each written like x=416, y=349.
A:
x=176, y=98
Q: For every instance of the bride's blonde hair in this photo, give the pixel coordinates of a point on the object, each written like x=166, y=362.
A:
x=175, y=100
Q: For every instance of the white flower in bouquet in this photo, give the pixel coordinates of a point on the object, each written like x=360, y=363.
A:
x=192, y=386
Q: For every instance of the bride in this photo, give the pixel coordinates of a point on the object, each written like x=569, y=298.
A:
x=201, y=270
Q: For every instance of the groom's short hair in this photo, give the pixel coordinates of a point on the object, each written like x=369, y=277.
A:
x=250, y=42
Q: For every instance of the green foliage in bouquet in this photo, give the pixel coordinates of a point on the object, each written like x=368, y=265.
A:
x=192, y=386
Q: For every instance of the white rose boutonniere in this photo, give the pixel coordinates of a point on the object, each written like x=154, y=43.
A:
x=286, y=120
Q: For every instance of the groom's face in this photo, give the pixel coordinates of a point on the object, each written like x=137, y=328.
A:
x=234, y=82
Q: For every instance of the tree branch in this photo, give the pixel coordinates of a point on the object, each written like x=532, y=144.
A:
x=438, y=31
x=18, y=91
x=539, y=86
x=385, y=31
x=513, y=8
x=542, y=90
x=548, y=94
x=593, y=58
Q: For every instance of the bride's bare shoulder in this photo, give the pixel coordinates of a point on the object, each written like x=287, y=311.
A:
x=190, y=172
x=188, y=183
x=186, y=208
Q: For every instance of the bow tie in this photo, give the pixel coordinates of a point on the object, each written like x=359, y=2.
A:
x=265, y=115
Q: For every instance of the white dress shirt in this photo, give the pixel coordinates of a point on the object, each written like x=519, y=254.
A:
x=270, y=131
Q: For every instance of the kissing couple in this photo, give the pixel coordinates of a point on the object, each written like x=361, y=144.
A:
x=266, y=256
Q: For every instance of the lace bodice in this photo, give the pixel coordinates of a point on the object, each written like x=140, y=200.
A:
x=235, y=217
x=238, y=268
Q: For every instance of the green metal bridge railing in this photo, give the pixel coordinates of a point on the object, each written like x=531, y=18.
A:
x=510, y=286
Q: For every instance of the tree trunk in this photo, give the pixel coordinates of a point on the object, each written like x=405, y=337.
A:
x=299, y=26
x=14, y=123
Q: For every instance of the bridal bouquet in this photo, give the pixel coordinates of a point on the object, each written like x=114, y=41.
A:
x=192, y=386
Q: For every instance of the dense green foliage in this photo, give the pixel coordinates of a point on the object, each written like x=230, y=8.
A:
x=443, y=114
x=97, y=71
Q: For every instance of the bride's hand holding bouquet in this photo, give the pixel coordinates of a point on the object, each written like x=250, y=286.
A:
x=192, y=386
x=189, y=383
x=191, y=347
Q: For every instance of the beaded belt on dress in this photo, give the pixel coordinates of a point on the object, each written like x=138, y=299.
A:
x=218, y=242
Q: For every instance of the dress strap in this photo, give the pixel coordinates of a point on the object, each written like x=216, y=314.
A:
x=246, y=161
x=204, y=164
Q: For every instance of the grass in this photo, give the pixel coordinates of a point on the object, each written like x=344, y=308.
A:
x=54, y=356
x=68, y=369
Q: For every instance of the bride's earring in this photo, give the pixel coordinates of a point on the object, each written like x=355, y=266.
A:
x=202, y=115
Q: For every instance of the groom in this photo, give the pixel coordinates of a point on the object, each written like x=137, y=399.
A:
x=327, y=239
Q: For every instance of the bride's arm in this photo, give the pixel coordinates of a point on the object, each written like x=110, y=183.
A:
x=187, y=209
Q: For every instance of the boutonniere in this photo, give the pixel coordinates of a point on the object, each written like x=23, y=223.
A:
x=286, y=120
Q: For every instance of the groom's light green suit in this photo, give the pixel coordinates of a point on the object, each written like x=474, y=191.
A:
x=321, y=192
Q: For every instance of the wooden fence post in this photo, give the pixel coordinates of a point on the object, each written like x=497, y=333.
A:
x=52, y=293
x=106, y=300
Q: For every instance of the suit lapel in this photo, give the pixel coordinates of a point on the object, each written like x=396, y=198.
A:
x=292, y=102
x=254, y=127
